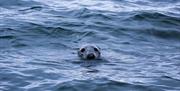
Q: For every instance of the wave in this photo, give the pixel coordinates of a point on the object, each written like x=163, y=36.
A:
x=7, y=33
x=169, y=34
x=102, y=85
x=18, y=3
x=156, y=16
x=156, y=24
x=168, y=1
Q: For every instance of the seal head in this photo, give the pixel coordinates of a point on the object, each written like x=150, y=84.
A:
x=89, y=52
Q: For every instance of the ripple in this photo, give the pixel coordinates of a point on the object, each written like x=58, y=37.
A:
x=21, y=3
x=164, y=34
x=102, y=85
x=157, y=17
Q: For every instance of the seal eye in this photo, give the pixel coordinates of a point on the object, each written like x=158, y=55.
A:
x=95, y=49
x=82, y=50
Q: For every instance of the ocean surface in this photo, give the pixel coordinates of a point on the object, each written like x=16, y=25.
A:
x=139, y=41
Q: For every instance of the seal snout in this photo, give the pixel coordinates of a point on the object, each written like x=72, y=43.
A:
x=91, y=56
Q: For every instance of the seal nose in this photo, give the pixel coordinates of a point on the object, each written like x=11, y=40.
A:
x=90, y=56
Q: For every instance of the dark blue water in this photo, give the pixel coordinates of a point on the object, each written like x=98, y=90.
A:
x=139, y=39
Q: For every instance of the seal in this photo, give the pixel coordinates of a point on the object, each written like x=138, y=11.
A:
x=89, y=52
